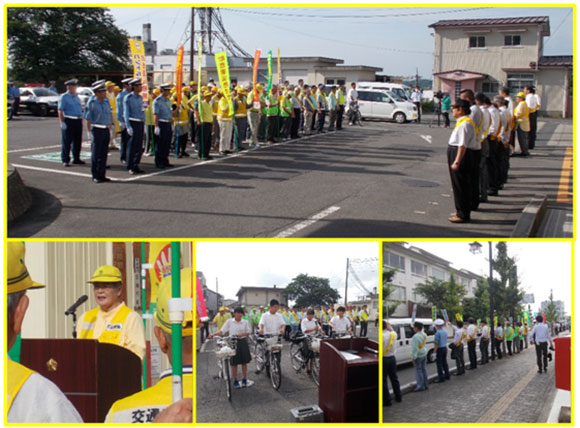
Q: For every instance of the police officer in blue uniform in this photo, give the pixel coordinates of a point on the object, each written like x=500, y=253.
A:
x=121, y=119
x=134, y=115
x=70, y=113
x=162, y=111
x=99, y=117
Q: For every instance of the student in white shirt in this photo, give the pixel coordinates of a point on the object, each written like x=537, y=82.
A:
x=339, y=323
x=540, y=338
x=238, y=327
x=352, y=100
x=533, y=106
x=416, y=98
x=272, y=322
x=309, y=327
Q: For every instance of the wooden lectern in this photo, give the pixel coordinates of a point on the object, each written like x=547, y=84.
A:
x=92, y=375
x=349, y=388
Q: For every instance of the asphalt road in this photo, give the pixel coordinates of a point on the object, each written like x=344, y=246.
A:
x=259, y=403
x=379, y=180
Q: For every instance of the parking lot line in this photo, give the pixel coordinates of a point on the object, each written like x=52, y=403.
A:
x=304, y=224
x=35, y=168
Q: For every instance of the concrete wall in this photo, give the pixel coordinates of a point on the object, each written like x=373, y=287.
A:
x=260, y=297
x=551, y=87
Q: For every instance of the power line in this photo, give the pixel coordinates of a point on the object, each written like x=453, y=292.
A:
x=558, y=27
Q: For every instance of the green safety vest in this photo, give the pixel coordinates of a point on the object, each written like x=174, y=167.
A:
x=509, y=334
x=340, y=94
x=272, y=111
x=288, y=106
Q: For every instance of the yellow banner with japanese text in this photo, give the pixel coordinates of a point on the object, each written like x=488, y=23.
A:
x=221, y=62
x=139, y=64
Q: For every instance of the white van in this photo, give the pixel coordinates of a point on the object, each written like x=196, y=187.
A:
x=405, y=332
x=403, y=91
x=378, y=104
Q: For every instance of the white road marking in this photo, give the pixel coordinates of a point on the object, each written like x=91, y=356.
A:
x=420, y=212
x=310, y=221
x=78, y=174
x=426, y=138
x=57, y=146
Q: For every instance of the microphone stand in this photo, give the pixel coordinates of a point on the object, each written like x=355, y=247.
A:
x=74, y=317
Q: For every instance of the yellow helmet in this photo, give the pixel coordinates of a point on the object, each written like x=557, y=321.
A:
x=521, y=95
x=109, y=83
x=157, y=92
x=161, y=314
x=107, y=273
x=18, y=279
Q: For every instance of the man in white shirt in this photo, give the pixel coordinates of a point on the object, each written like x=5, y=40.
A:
x=486, y=151
x=498, y=340
x=484, y=342
x=339, y=323
x=471, y=341
x=416, y=98
x=31, y=398
x=533, y=105
x=540, y=338
x=390, y=365
x=352, y=100
x=495, y=152
x=476, y=116
x=272, y=322
x=504, y=92
x=458, y=339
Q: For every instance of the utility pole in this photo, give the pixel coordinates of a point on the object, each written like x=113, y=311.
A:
x=346, y=285
x=491, y=319
x=192, y=46
x=210, y=12
x=417, y=77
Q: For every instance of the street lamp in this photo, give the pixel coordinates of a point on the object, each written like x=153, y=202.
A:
x=475, y=248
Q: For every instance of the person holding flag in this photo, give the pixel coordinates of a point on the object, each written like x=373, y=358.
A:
x=272, y=111
x=145, y=405
x=390, y=365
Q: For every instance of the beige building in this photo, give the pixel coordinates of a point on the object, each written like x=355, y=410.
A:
x=485, y=54
x=260, y=296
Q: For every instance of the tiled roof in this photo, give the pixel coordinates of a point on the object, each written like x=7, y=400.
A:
x=556, y=61
x=491, y=21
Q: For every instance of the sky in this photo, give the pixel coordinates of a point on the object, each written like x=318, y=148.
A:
x=541, y=265
x=395, y=38
x=263, y=264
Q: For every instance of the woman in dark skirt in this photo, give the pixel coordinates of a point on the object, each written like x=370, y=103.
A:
x=238, y=327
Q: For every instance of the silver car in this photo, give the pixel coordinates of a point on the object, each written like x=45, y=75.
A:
x=39, y=101
x=84, y=94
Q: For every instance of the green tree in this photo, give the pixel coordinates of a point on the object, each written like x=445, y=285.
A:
x=390, y=306
x=443, y=294
x=507, y=291
x=552, y=312
x=308, y=290
x=478, y=306
x=45, y=43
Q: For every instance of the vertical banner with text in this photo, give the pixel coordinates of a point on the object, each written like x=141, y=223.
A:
x=139, y=65
x=221, y=62
x=179, y=75
x=255, y=78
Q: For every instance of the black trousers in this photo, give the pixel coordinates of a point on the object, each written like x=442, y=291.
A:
x=99, y=151
x=418, y=105
x=523, y=140
x=460, y=360
x=494, y=162
x=476, y=161
x=321, y=118
x=533, y=130
x=364, y=325
x=204, y=139
x=542, y=355
x=484, y=348
x=504, y=164
x=205, y=327
x=72, y=138
x=461, y=181
x=442, y=366
x=123, y=148
x=446, y=117
x=390, y=372
x=314, y=114
x=163, y=143
x=472, y=354
x=285, y=123
x=16, y=106
x=273, y=128
x=498, y=348
x=339, y=115
x=135, y=145
x=295, y=124
x=509, y=346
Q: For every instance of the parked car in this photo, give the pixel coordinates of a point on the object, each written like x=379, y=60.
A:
x=84, y=94
x=379, y=104
x=403, y=328
x=39, y=101
x=403, y=91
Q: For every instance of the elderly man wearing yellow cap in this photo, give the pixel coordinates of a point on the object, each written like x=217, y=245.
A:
x=112, y=322
x=254, y=104
x=220, y=319
x=143, y=406
x=31, y=398
x=522, y=119
x=112, y=97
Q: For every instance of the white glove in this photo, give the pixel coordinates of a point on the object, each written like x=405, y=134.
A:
x=130, y=132
x=111, y=133
x=91, y=137
x=157, y=131
x=63, y=126
x=122, y=126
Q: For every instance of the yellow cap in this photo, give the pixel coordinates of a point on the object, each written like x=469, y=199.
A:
x=192, y=83
x=259, y=87
x=214, y=89
x=106, y=273
x=207, y=94
x=109, y=83
x=204, y=88
x=157, y=91
x=18, y=278
x=161, y=314
x=521, y=95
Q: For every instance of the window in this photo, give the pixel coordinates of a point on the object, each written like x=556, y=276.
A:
x=457, y=89
x=476, y=42
x=438, y=274
x=364, y=96
x=399, y=294
x=379, y=97
x=490, y=87
x=409, y=332
x=418, y=268
x=512, y=40
x=330, y=81
x=517, y=81
x=395, y=261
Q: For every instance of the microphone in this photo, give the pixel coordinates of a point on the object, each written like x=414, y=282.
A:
x=76, y=304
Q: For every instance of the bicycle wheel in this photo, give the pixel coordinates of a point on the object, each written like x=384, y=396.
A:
x=275, y=370
x=226, y=368
x=296, y=356
x=315, y=367
x=259, y=357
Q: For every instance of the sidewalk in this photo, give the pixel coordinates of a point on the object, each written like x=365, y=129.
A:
x=504, y=391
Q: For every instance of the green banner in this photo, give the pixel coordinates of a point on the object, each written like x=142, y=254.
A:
x=269, y=72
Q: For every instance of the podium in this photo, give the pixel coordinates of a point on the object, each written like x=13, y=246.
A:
x=349, y=387
x=92, y=375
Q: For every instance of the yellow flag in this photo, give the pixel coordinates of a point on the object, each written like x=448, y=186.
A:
x=139, y=65
x=459, y=317
x=221, y=62
x=160, y=261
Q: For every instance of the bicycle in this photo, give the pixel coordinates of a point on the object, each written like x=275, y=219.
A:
x=268, y=353
x=226, y=350
x=355, y=116
x=299, y=361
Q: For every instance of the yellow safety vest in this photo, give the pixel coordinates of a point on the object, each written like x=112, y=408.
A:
x=143, y=406
x=112, y=100
x=224, y=110
x=112, y=331
x=424, y=341
x=466, y=119
x=17, y=374
x=341, y=100
x=242, y=110
x=391, y=343
x=364, y=316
